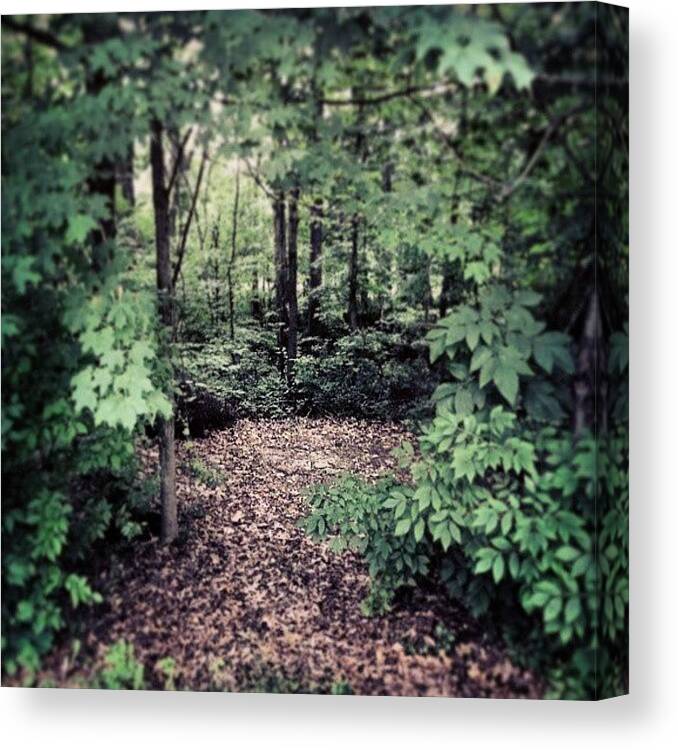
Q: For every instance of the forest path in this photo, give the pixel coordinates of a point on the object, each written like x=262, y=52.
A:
x=248, y=601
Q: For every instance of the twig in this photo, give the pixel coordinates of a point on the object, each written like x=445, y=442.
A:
x=531, y=161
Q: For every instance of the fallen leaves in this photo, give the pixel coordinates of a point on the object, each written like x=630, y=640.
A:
x=246, y=594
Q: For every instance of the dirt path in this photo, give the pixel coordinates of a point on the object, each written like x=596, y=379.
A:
x=248, y=601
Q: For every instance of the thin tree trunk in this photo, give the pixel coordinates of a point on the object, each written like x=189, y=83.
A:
x=590, y=383
x=126, y=176
x=102, y=180
x=292, y=304
x=255, y=297
x=168, y=496
x=353, y=275
x=361, y=153
x=231, y=262
x=315, y=279
x=189, y=219
x=445, y=289
x=280, y=260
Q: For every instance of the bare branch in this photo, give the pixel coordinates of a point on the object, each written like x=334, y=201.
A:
x=189, y=218
x=530, y=162
x=178, y=160
x=426, y=91
x=258, y=180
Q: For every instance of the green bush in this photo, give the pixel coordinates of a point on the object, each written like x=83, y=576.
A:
x=352, y=514
x=373, y=375
x=243, y=375
x=524, y=523
x=370, y=374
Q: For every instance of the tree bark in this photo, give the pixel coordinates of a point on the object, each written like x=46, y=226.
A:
x=102, y=179
x=126, y=176
x=353, y=275
x=231, y=262
x=446, y=289
x=255, y=297
x=280, y=261
x=315, y=279
x=168, y=495
x=590, y=381
x=361, y=154
x=292, y=303
x=189, y=219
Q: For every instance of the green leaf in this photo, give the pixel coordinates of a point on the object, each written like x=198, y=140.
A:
x=402, y=527
x=572, y=609
x=498, y=568
x=506, y=380
x=463, y=402
x=553, y=609
x=482, y=566
x=480, y=357
x=567, y=553
x=79, y=226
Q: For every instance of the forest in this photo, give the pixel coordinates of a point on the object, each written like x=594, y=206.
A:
x=315, y=350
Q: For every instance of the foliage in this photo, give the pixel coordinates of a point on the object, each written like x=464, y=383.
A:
x=464, y=179
x=78, y=365
x=202, y=472
x=351, y=515
x=122, y=670
x=370, y=374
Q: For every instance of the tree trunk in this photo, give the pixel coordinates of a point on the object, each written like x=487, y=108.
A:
x=168, y=495
x=231, y=262
x=292, y=305
x=446, y=289
x=361, y=154
x=102, y=180
x=255, y=297
x=126, y=176
x=590, y=381
x=280, y=260
x=315, y=271
x=353, y=275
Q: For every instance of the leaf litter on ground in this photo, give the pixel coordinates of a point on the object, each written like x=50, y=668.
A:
x=247, y=601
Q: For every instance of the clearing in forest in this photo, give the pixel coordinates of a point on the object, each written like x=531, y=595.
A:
x=245, y=600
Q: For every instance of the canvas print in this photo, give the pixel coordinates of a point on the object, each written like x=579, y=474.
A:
x=315, y=350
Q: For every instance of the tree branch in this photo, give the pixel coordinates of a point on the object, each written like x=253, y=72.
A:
x=178, y=160
x=533, y=158
x=257, y=179
x=189, y=218
x=434, y=89
x=38, y=35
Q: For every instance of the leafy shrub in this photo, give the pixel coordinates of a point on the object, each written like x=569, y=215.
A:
x=373, y=375
x=522, y=513
x=370, y=374
x=524, y=523
x=353, y=515
x=204, y=473
x=79, y=374
x=243, y=376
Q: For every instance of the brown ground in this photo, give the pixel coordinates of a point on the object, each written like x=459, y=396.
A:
x=248, y=601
